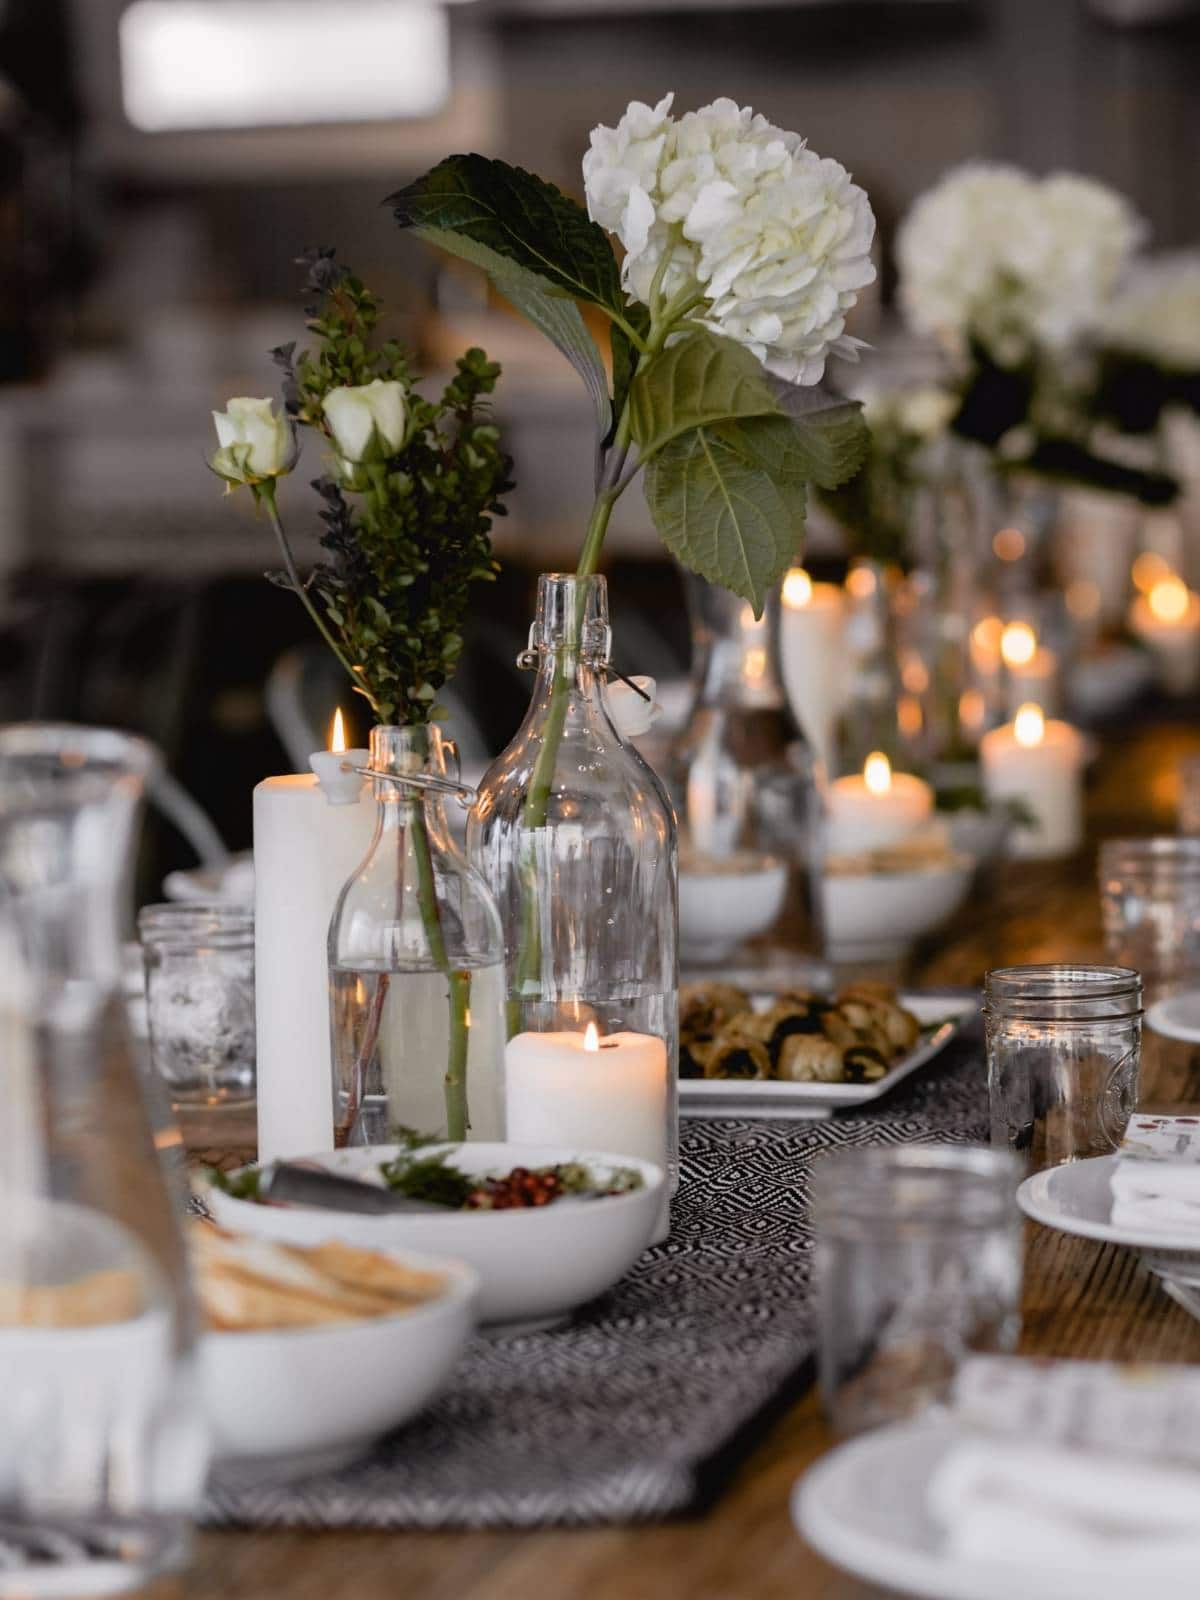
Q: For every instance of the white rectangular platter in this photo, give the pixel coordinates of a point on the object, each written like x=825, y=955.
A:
x=942, y=1017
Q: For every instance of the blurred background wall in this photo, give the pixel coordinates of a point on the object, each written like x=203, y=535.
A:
x=162, y=163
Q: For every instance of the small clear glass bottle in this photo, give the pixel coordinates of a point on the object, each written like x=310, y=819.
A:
x=416, y=965
x=1063, y=1050
x=199, y=963
x=576, y=837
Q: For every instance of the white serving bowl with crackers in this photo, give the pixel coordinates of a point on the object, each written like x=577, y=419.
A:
x=535, y=1266
x=309, y=1356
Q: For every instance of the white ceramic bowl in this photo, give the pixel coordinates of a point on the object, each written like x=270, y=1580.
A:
x=535, y=1265
x=879, y=916
x=296, y=1400
x=723, y=905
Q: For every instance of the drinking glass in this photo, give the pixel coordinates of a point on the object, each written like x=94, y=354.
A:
x=1063, y=1050
x=918, y=1265
x=1150, y=903
x=102, y=1443
x=200, y=1000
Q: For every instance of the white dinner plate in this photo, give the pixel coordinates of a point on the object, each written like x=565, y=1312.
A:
x=863, y=1507
x=767, y=1097
x=1077, y=1198
x=1177, y=1017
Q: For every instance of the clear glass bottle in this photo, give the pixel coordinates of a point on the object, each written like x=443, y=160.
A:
x=416, y=965
x=741, y=777
x=576, y=837
x=102, y=1443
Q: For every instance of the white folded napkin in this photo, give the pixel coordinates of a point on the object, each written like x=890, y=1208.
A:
x=1156, y=1177
x=1104, y=1521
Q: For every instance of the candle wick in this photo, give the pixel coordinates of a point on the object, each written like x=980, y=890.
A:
x=609, y=1044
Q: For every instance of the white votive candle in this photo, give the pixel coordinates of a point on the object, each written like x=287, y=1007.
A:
x=811, y=623
x=305, y=848
x=875, y=807
x=1039, y=763
x=1167, y=621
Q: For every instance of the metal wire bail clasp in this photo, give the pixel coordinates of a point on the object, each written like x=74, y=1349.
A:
x=462, y=792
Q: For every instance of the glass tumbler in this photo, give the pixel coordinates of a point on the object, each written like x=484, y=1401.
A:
x=200, y=1000
x=1150, y=903
x=1063, y=1050
x=918, y=1265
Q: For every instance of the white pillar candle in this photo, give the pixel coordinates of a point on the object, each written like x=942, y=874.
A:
x=875, y=807
x=811, y=623
x=1167, y=621
x=606, y=1094
x=1040, y=764
x=305, y=848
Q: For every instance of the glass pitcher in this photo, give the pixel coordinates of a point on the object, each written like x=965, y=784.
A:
x=102, y=1445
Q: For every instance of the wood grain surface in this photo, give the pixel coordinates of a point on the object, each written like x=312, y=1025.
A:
x=1080, y=1299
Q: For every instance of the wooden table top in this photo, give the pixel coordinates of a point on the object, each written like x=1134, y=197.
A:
x=1080, y=1299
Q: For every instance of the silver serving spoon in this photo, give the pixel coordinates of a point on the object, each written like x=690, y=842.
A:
x=314, y=1186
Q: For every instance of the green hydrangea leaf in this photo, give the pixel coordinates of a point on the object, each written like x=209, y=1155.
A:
x=699, y=380
x=728, y=501
x=519, y=217
x=548, y=310
x=830, y=431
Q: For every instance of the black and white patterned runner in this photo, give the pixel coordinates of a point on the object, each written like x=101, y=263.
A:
x=640, y=1406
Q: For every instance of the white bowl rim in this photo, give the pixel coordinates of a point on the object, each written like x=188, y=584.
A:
x=653, y=1178
x=951, y=866
x=462, y=1289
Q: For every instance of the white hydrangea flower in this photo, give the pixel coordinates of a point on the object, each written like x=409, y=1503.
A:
x=1157, y=313
x=995, y=254
x=774, y=240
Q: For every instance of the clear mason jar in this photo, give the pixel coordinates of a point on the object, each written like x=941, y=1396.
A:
x=576, y=837
x=918, y=1265
x=199, y=962
x=416, y=965
x=103, y=1449
x=1063, y=1049
x=1150, y=904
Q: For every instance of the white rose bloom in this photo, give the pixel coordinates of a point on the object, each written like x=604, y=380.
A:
x=774, y=240
x=253, y=442
x=368, y=421
x=995, y=254
x=1157, y=314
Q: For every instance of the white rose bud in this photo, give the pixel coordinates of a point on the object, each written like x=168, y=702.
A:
x=629, y=713
x=368, y=422
x=255, y=443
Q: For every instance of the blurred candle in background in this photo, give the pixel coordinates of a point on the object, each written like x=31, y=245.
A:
x=811, y=624
x=874, y=808
x=1166, y=618
x=1031, y=669
x=1040, y=765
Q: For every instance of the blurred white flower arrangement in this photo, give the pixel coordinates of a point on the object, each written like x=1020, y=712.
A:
x=1157, y=313
x=996, y=257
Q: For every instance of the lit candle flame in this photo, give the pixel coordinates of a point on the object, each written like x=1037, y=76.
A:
x=1169, y=600
x=337, y=733
x=591, y=1037
x=1148, y=569
x=972, y=710
x=877, y=772
x=1029, y=725
x=986, y=635
x=1018, y=644
x=797, y=589
x=861, y=582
